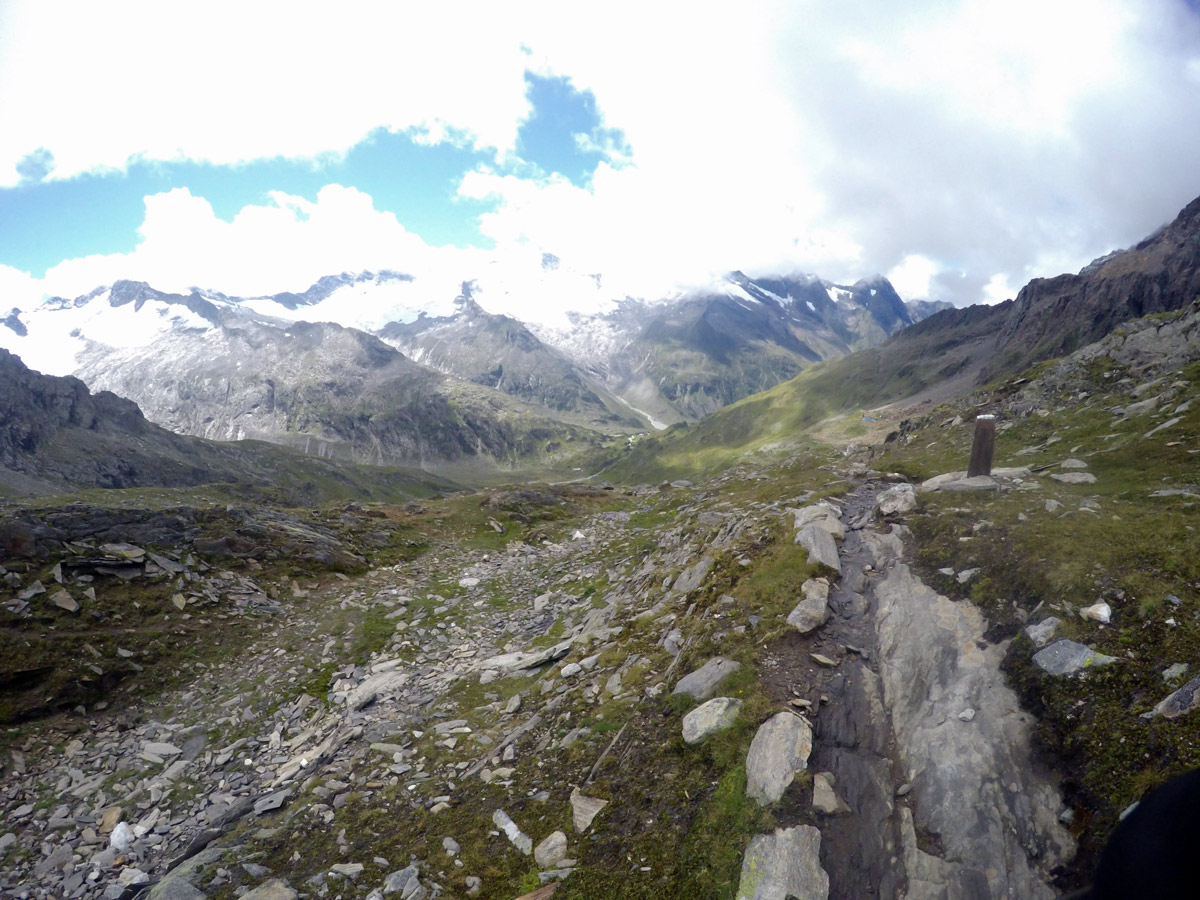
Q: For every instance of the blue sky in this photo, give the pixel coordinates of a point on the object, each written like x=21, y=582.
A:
x=44, y=221
x=959, y=147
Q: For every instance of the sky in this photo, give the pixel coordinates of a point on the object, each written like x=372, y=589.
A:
x=959, y=147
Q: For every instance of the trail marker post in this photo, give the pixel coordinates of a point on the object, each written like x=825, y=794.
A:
x=983, y=446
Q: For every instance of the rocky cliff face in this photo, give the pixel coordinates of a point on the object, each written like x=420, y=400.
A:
x=684, y=358
x=500, y=352
x=321, y=388
x=1055, y=316
x=54, y=432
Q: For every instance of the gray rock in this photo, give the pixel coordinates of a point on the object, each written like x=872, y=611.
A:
x=159, y=748
x=63, y=600
x=709, y=718
x=702, y=683
x=1074, y=477
x=813, y=611
x=379, y=685
x=958, y=481
x=275, y=889
x=271, y=801
x=1181, y=701
x=780, y=749
x=1052, y=505
x=512, y=831
x=974, y=785
x=7, y=840
x=177, y=889
x=406, y=883
x=450, y=846
x=693, y=576
x=1073, y=464
x=825, y=799
x=57, y=861
x=1068, y=657
x=349, y=870
x=551, y=851
x=785, y=865
x=584, y=809
x=820, y=546
x=1043, y=632
x=187, y=873
x=1170, y=673
x=822, y=515
x=897, y=500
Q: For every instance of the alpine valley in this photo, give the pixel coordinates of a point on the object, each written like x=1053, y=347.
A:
x=460, y=387
x=361, y=593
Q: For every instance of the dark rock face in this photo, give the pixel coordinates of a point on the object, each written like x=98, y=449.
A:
x=1052, y=317
x=54, y=429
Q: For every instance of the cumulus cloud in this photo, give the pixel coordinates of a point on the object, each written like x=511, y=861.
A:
x=226, y=82
x=284, y=244
x=961, y=146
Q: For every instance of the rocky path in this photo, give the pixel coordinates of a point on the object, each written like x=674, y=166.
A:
x=497, y=667
x=924, y=785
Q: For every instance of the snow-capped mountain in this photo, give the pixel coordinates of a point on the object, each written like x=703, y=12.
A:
x=348, y=365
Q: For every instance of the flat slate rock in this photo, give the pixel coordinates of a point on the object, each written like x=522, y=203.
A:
x=785, y=865
x=702, y=683
x=1068, y=657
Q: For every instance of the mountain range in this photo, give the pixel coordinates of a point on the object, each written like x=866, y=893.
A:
x=441, y=383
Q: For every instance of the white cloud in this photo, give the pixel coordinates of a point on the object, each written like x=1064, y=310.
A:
x=285, y=244
x=965, y=145
x=913, y=277
x=227, y=82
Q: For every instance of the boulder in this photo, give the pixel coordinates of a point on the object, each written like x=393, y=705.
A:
x=551, y=851
x=824, y=516
x=897, y=500
x=779, y=750
x=782, y=865
x=702, y=683
x=820, y=546
x=1068, y=657
x=813, y=611
x=709, y=718
x=1043, y=632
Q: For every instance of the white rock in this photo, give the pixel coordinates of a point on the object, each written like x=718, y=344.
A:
x=897, y=500
x=121, y=838
x=519, y=839
x=551, y=851
x=584, y=809
x=709, y=718
x=1099, y=612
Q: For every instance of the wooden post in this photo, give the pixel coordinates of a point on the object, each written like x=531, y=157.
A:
x=982, y=447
